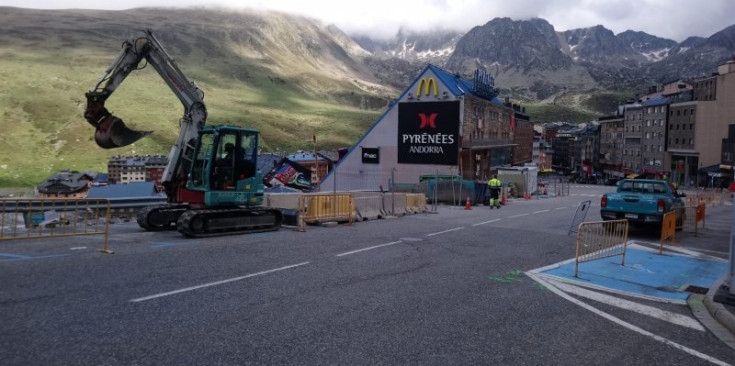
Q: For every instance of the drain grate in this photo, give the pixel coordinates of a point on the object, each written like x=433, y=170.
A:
x=696, y=290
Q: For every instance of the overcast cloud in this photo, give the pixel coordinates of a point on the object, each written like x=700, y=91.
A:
x=673, y=19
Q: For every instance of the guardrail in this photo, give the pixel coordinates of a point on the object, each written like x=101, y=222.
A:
x=600, y=239
x=43, y=218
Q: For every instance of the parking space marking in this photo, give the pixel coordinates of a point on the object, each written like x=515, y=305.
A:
x=486, y=222
x=510, y=217
x=446, y=231
x=678, y=319
x=216, y=283
x=621, y=322
x=368, y=248
x=19, y=257
x=536, y=212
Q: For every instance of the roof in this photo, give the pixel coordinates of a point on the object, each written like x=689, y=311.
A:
x=660, y=100
x=456, y=84
x=67, y=181
x=304, y=156
x=130, y=190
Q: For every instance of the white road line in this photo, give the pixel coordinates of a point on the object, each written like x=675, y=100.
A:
x=651, y=311
x=486, y=222
x=216, y=283
x=510, y=217
x=624, y=323
x=541, y=211
x=559, y=208
x=446, y=231
x=368, y=248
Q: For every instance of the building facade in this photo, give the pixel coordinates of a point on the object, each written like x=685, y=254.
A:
x=612, y=141
x=653, y=138
x=633, y=122
x=441, y=124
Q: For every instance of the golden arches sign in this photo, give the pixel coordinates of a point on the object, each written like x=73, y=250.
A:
x=425, y=87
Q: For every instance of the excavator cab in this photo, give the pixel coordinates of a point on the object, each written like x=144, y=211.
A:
x=224, y=167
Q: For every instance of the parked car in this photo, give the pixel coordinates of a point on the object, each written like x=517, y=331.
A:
x=642, y=201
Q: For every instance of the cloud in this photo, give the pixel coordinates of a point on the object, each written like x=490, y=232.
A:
x=674, y=19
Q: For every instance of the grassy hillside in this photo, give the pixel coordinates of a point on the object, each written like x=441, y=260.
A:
x=288, y=87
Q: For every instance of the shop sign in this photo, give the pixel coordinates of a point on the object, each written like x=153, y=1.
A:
x=428, y=133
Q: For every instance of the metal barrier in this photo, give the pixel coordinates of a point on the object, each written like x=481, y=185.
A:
x=693, y=215
x=600, y=239
x=668, y=230
x=319, y=208
x=43, y=218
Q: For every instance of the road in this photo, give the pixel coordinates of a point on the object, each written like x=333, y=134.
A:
x=431, y=289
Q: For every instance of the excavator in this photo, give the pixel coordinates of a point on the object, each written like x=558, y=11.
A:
x=212, y=183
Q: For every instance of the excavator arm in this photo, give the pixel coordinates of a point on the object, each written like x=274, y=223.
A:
x=111, y=132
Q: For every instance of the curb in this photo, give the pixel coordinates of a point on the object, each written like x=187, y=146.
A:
x=724, y=318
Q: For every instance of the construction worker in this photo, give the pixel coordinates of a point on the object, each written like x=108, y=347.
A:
x=495, y=186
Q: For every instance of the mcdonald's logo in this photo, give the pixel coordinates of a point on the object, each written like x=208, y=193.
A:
x=425, y=87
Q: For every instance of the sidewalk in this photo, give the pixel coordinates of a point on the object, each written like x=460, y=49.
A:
x=690, y=273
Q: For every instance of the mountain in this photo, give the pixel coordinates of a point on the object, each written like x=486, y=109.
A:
x=651, y=47
x=434, y=46
x=533, y=61
x=291, y=77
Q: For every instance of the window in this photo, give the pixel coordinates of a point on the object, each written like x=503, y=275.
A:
x=685, y=112
x=678, y=112
x=691, y=126
x=648, y=123
x=692, y=111
x=648, y=135
x=660, y=148
x=690, y=142
x=676, y=141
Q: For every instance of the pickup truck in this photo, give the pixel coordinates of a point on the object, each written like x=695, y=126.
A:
x=642, y=201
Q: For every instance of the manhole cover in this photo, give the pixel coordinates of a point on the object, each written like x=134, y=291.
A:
x=696, y=290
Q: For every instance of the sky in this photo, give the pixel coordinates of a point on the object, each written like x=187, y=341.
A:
x=672, y=19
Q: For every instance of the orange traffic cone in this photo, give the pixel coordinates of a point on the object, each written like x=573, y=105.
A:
x=467, y=205
x=503, y=200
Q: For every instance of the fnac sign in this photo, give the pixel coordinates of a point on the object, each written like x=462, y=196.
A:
x=425, y=87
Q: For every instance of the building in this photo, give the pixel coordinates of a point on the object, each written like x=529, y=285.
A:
x=522, y=139
x=633, y=122
x=441, y=124
x=127, y=169
x=714, y=116
x=153, y=168
x=683, y=158
x=542, y=154
x=588, y=151
x=612, y=140
x=67, y=184
x=319, y=163
x=653, y=138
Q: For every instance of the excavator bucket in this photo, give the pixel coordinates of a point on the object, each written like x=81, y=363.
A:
x=111, y=132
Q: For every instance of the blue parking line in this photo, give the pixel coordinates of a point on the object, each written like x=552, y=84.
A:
x=17, y=257
x=646, y=273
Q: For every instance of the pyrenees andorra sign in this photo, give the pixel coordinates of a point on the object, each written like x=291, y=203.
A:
x=428, y=133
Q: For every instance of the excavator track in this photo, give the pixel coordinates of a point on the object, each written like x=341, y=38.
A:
x=160, y=218
x=216, y=222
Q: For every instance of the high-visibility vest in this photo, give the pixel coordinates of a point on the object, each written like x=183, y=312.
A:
x=494, y=183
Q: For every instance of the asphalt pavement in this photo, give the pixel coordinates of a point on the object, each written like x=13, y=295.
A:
x=444, y=288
